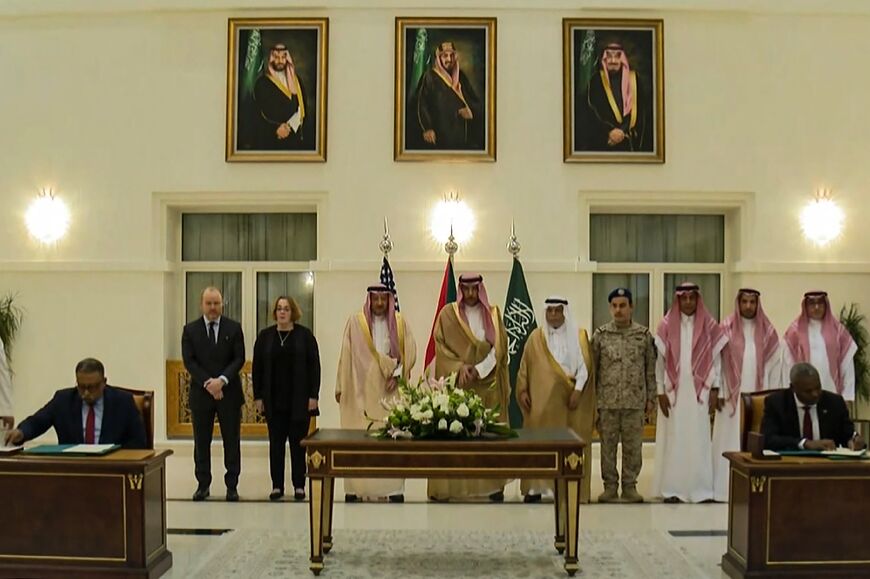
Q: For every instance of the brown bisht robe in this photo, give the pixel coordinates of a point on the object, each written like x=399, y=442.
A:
x=455, y=345
x=362, y=378
x=549, y=389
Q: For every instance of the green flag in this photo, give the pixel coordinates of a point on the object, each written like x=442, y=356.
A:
x=253, y=63
x=420, y=58
x=586, y=65
x=519, y=321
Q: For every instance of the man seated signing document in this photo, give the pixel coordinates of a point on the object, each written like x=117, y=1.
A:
x=805, y=417
x=90, y=413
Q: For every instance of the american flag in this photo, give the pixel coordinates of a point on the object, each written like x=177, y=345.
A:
x=388, y=280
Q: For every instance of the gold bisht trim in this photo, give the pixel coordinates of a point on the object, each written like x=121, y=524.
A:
x=632, y=78
x=449, y=83
x=400, y=328
x=367, y=332
x=557, y=368
x=493, y=313
x=465, y=327
x=288, y=94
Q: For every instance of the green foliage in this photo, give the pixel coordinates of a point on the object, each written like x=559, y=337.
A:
x=854, y=321
x=10, y=322
x=437, y=409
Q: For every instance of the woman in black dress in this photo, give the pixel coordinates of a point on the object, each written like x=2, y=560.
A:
x=286, y=380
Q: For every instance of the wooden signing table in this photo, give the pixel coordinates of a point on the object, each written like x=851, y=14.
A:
x=555, y=453
x=798, y=517
x=84, y=517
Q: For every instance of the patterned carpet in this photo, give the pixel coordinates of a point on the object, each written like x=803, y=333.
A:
x=411, y=554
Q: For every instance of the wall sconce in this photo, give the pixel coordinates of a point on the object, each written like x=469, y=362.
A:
x=452, y=212
x=822, y=219
x=309, y=279
x=47, y=218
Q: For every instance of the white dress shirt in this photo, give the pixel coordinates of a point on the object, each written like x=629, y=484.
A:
x=217, y=333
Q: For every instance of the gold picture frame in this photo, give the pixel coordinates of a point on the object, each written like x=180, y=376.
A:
x=178, y=420
x=431, y=98
x=259, y=98
x=602, y=124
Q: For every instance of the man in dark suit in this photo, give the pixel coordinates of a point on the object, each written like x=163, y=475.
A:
x=213, y=348
x=90, y=413
x=806, y=417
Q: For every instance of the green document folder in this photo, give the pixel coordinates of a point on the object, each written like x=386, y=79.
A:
x=72, y=449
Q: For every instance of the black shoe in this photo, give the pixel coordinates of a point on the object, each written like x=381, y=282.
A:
x=532, y=498
x=399, y=498
x=672, y=500
x=298, y=494
x=201, y=494
x=437, y=500
x=497, y=497
x=351, y=498
x=232, y=496
x=276, y=495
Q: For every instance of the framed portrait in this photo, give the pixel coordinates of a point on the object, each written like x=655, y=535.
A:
x=276, y=89
x=445, y=89
x=613, y=82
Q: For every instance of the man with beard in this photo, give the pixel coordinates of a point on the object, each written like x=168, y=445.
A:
x=625, y=384
x=750, y=363
x=817, y=337
x=689, y=344
x=471, y=341
x=617, y=109
x=449, y=113
x=281, y=104
x=555, y=387
x=377, y=350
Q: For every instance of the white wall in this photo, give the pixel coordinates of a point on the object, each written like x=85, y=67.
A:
x=114, y=108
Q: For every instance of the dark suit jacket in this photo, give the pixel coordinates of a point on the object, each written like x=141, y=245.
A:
x=306, y=370
x=782, y=430
x=205, y=359
x=122, y=423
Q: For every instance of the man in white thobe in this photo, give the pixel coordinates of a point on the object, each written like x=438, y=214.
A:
x=817, y=337
x=377, y=350
x=471, y=341
x=689, y=343
x=750, y=363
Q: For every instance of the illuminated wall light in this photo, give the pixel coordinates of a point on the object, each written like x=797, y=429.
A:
x=452, y=211
x=47, y=218
x=309, y=279
x=822, y=219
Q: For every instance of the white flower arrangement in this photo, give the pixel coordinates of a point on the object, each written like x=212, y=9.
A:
x=437, y=409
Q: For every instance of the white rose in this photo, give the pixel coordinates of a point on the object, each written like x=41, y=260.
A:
x=428, y=414
x=462, y=411
x=442, y=424
x=455, y=427
x=415, y=408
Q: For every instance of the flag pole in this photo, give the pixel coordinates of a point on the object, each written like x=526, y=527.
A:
x=513, y=245
x=386, y=244
x=451, y=247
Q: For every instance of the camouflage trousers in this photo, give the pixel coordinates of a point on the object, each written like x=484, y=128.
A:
x=625, y=426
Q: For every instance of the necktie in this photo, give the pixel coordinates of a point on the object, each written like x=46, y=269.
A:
x=90, y=425
x=211, y=335
x=808, y=424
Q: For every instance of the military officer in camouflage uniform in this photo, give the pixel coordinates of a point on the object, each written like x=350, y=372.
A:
x=624, y=358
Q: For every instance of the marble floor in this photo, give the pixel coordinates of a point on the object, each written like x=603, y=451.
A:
x=195, y=527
